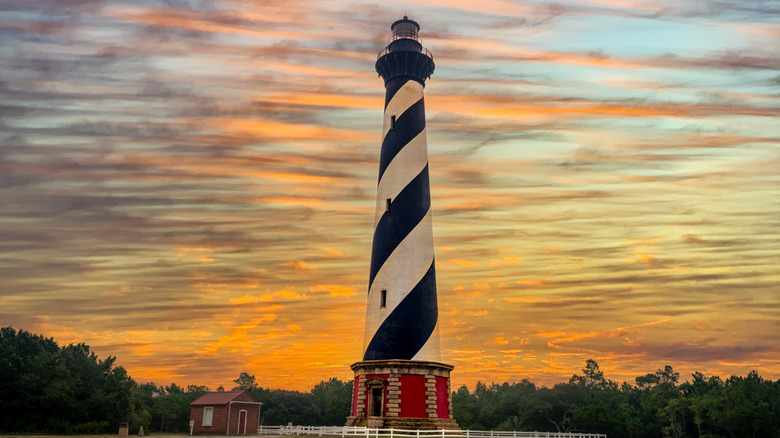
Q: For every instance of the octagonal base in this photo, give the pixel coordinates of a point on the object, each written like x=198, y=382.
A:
x=402, y=394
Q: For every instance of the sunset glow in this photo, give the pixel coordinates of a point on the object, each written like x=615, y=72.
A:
x=190, y=185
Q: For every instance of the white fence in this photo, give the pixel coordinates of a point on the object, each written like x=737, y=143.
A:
x=356, y=431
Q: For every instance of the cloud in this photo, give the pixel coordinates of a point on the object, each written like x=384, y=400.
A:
x=562, y=338
x=648, y=259
x=246, y=299
x=205, y=163
x=283, y=295
x=463, y=262
x=696, y=352
x=238, y=337
x=500, y=340
x=298, y=266
x=506, y=261
x=513, y=354
x=333, y=290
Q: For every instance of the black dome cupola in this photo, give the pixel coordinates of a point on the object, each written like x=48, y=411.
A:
x=405, y=55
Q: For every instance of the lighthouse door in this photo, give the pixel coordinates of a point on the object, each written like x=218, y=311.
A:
x=376, y=402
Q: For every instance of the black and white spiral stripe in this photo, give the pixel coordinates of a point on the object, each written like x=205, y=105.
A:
x=402, y=261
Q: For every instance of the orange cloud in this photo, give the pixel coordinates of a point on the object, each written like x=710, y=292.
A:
x=650, y=260
x=563, y=338
x=461, y=351
x=500, y=340
x=286, y=131
x=333, y=290
x=555, y=367
x=513, y=354
x=506, y=261
x=237, y=338
x=551, y=334
x=332, y=253
x=463, y=262
x=246, y=299
x=526, y=300
x=538, y=283
x=521, y=108
x=298, y=266
x=144, y=350
x=283, y=294
x=646, y=258
x=288, y=200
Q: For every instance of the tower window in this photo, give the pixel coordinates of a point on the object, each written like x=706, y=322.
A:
x=383, y=299
x=392, y=121
x=387, y=204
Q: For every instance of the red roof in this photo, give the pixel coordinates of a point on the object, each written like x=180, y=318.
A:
x=219, y=398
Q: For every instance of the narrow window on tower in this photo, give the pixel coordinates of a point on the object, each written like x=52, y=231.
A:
x=392, y=121
x=383, y=299
x=387, y=204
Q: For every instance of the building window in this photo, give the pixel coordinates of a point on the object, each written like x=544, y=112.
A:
x=208, y=414
x=383, y=299
x=388, y=203
x=392, y=121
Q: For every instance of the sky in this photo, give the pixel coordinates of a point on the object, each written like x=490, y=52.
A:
x=189, y=185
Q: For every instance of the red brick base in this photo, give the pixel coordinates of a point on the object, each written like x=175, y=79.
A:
x=412, y=395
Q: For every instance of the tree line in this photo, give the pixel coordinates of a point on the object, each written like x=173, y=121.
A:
x=69, y=390
x=655, y=405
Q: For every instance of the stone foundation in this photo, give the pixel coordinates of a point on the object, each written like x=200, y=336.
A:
x=402, y=394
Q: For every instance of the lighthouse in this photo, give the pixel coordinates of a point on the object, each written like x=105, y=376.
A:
x=400, y=381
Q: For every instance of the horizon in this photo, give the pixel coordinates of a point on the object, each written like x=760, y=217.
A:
x=189, y=186
x=228, y=388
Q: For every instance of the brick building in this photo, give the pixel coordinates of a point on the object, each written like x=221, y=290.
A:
x=224, y=413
